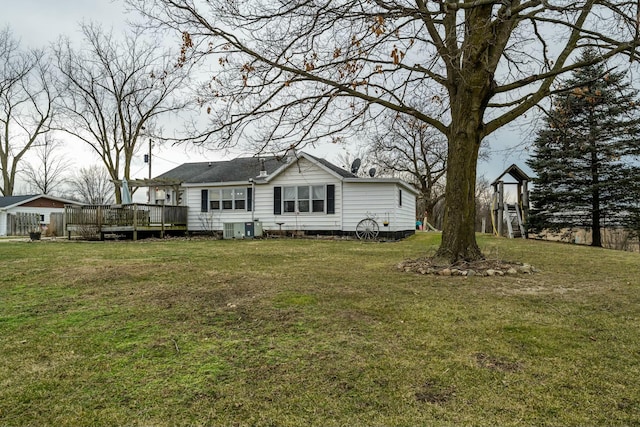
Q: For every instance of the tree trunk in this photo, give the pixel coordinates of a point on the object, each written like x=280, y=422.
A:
x=428, y=205
x=458, y=234
x=469, y=97
x=117, y=194
x=596, y=236
x=8, y=178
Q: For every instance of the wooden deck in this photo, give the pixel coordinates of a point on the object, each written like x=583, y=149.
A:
x=131, y=219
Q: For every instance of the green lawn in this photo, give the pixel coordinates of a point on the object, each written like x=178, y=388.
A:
x=312, y=332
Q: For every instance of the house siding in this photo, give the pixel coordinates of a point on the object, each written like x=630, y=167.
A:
x=3, y=223
x=302, y=172
x=43, y=202
x=213, y=219
x=406, y=214
x=381, y=201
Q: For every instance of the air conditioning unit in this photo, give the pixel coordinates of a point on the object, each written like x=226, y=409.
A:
x=241, y=230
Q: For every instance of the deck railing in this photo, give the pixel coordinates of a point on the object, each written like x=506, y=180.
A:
x=134, y=216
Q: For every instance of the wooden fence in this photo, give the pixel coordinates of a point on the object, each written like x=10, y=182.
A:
x=23, y=223
x=56, y=224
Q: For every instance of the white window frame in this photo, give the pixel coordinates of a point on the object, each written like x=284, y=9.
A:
x=233, y=192
x=291, y=194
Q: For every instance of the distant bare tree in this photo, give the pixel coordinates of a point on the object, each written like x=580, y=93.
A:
x=115, y=90
x=26, y=105
x=484, y=196
x=411, y=149
x=92, y=185
x=48, y=172
x=346, y=159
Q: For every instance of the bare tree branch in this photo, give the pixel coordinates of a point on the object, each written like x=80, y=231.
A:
x=92, y=185
x=48, y=173
x=115, y=90
x=26, y=105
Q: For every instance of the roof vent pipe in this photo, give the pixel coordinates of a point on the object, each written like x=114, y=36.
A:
x=263, y=169
x=292, y=155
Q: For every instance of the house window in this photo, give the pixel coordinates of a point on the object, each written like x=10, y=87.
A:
x=230, y=199
x=305, y=199
x=239, y=198
x=400, y=198
x=318, y=193
x=289, y=199
x=227, y=198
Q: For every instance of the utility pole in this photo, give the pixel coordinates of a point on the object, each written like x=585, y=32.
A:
x=149, y=197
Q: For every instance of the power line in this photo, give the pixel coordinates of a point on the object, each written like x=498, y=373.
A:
x=166, y=160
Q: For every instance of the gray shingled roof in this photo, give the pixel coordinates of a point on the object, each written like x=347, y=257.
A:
x=343, y=173
x=236, y=170
x=12, y=200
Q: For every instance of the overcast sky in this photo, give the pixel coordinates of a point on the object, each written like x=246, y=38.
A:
x=39, y=22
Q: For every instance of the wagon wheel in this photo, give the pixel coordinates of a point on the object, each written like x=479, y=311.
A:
x=367, y=229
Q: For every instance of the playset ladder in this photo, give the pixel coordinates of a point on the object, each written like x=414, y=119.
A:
x=514, y=218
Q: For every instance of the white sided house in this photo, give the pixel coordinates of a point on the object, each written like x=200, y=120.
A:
x=36, y=208
x=304, y=194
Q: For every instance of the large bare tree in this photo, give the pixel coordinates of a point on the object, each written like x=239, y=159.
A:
x=114, y=91
x=26, y=105
x=295, y=71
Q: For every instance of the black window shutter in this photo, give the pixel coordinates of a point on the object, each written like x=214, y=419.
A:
x=400, y=197
x=331, y=199
x=277, y=200
x=204, y=201
x=249, y=199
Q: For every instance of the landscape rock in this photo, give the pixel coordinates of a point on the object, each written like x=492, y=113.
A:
x=482, y=268
x=526, y=269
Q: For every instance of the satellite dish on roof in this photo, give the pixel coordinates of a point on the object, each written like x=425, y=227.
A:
x=355, y=166
x=372, y=172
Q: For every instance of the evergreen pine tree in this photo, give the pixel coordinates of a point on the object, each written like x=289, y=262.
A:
x=586, y=156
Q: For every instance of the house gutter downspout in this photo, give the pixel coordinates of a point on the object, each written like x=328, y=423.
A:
x=253, y=198
x=342, y=205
